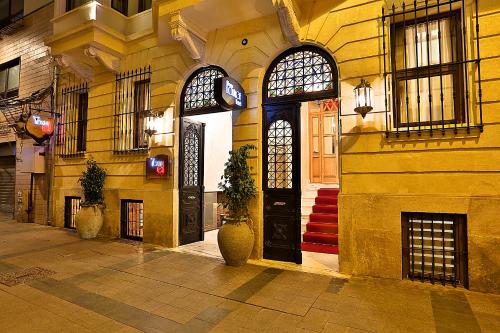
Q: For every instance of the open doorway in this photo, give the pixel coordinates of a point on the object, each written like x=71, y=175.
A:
x=319, y=183
x=206, y=141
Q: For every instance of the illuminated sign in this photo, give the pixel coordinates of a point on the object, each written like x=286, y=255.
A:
x=229, y=94
x=157, y=167
x=40, y=127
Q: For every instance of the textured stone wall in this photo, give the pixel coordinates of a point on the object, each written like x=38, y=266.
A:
x=36, y=73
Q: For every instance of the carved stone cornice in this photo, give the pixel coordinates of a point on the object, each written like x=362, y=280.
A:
x=288, y=20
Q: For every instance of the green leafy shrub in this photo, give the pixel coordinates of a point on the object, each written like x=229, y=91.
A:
x=237, y=185
x=92, y=182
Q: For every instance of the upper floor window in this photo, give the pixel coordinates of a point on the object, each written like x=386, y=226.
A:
x=430, y=61
x=10, y=11
x=305, y=72
x=9, y=79
x=427, y=68
x=72, y=134
x=72, y=4
x=198, y=93
x=132, y=107
x=128, y=8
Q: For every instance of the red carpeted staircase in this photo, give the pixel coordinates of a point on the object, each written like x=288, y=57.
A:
x=322, y=229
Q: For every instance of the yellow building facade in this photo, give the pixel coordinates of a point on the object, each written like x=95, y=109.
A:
x=382, y=175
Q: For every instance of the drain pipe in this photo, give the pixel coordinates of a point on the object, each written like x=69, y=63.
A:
x=51, y=146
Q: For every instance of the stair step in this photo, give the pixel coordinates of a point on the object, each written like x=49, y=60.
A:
x=330, y=209
x=328, y=192
x=320, y=248
x=326, y=200
x=321, y=238
x=327, y=228
x=323, y=217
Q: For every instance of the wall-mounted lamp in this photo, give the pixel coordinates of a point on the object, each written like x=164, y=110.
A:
x=363, y=96
x=151, y=117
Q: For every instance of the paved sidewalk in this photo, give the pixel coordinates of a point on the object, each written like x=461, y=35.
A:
x=54, y=282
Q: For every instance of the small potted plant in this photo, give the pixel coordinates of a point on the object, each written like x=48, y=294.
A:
x=235, y=237
x=89, y=219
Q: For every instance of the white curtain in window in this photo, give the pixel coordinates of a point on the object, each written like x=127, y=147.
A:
x=416, y=50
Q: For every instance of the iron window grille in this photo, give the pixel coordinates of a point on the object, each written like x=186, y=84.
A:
x=306, y=73
x=10, y=11
x=197, y=96
x=429, y=86
x=71, y=208
x=72, y=126
x=9, y=78
x=132, y=219
x=132, y=107
x=435, y=247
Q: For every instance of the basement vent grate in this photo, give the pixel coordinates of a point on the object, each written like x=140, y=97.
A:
x=24, y=275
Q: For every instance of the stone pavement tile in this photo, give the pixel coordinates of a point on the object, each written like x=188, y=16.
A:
x=315, y=320
x=488, y=322
x=486, y=303
x=213, y=314
x=195, y=326
x=352, y=320
x=178, y=315
x=453, y=312
x=283, y=322
x=254, y=285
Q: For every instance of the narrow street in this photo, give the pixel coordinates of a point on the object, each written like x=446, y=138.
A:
x=51, y=281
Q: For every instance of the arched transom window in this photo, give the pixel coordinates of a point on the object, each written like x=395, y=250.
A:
x=198, y=93
x=304, y=70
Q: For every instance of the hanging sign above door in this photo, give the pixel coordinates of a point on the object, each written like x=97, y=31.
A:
x=40, y=127
x=229, y=94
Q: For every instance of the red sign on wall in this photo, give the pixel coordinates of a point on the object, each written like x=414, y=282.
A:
x=157, y=167
x=40, y=127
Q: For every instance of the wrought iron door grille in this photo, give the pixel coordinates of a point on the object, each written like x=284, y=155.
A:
x=435, y=247
x=303, y=71
x=198, y=93
x=279, y=155
x=432, y=81
x=132, y=219
x=191, y=163
x=132, y=107
x=71, y=207
x=72, y=125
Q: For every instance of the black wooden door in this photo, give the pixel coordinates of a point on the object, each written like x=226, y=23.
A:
x=191, y=187
x=281, y=182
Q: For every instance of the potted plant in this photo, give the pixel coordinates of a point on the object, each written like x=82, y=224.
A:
x=89, y=219
x=235, y=237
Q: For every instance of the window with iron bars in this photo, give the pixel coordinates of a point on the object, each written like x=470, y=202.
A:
x=9, y=79
x=429, y=86
x=71, y=208
x=132, y=219
x=132, y=107
x=72, y=133
x=435, y=247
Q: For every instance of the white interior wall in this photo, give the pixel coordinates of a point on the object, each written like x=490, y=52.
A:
x=218, y=143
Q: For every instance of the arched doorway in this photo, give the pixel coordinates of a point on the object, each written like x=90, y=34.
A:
x=198, y=108
x=301, y=74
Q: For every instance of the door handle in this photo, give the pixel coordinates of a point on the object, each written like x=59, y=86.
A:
x=279, y=203
x=191, y=197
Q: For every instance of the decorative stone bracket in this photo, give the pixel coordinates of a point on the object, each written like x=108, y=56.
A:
x=288, y=20
x=82, y=68
x=194, y=44
x=107, y=60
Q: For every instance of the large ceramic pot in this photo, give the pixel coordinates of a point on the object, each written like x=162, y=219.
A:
x=235, y=241
x=88, y=221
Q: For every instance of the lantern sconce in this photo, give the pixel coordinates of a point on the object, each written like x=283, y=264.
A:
x=151, y=116
x=363, y=96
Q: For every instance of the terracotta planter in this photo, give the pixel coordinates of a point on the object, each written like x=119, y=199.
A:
x=88, y=221
x=235, y=241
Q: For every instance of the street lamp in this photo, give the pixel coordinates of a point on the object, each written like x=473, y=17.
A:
x=363, y=96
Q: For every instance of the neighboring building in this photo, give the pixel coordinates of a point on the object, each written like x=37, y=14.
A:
x=418, y=176
x=25, y=68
